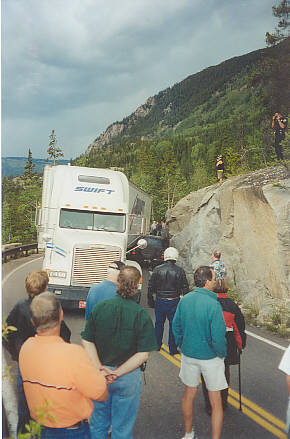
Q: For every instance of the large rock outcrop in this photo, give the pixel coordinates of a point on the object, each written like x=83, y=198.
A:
x=247, y=219
x=118, y=128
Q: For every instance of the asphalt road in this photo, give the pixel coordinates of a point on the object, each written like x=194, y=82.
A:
x=263, y=386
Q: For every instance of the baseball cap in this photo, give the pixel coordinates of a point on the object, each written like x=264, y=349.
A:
x=119, y=264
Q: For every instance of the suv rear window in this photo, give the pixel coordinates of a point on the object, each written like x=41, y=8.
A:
x=154, y=242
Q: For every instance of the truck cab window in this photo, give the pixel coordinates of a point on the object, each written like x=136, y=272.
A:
x=78, y=219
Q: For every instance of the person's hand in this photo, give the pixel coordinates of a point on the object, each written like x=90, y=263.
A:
x=111, y=378
x=108, y=374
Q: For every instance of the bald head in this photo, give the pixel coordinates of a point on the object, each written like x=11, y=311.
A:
x=46, y=312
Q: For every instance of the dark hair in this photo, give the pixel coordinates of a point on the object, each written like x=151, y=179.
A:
x=45, y=311
x=201, y=275
x=221, y=286
x=127, y=282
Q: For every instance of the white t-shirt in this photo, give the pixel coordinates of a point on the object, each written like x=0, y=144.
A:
x=285, y=362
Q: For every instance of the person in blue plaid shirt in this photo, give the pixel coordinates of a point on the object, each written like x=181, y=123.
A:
x=218, y=266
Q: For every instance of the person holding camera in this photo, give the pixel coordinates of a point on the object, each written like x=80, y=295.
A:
x=279, y=124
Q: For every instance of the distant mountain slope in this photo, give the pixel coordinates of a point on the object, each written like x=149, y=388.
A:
x=13, y=166
x=164, y=113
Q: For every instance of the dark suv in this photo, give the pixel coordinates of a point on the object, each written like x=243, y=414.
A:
x=152, y=255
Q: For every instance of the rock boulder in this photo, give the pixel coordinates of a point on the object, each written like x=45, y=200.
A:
x=247, y=219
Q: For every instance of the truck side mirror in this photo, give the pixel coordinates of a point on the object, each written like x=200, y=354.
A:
x=46, y=237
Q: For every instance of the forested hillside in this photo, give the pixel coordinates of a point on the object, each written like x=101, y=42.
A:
x=258, y=78
x=169, y=145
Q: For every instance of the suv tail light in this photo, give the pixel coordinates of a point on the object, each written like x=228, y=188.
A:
x=162, y=255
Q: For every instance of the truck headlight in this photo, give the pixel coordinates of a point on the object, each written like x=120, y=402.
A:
x=61, y=274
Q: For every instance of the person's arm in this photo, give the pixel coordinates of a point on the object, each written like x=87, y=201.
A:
x=273, y=120
x=151, y=290
x=65, y=332
x=131, y=364
x=91, y=349
x=240, y=322
x=88, y=303
x=184, y=283
x=176, y=326
x=87, y=379
x=288, y=383
x=218, y=332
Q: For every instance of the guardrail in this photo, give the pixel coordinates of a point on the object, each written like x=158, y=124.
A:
x=19, y=251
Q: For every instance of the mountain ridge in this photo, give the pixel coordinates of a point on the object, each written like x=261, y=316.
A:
x=163, y=112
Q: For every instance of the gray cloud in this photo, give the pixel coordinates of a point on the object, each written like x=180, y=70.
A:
x=76, y=66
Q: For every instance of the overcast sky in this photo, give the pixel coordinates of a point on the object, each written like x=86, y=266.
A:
x=76, y=66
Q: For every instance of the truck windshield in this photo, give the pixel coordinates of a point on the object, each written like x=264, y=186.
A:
x=79, y=219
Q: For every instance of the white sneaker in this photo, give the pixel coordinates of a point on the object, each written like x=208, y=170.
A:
x=193, y=436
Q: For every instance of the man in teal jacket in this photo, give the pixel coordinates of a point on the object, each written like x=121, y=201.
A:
x=199, y=330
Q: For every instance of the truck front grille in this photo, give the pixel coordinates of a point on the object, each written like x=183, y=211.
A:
x=90, y=264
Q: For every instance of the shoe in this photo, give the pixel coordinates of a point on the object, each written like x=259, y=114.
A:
x=177, y=352
x=194, y=436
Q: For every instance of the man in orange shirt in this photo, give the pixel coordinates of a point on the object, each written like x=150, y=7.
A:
x=60, y=381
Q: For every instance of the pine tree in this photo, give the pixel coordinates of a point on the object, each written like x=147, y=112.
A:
x=29, y=169
x=281, y=31
x=53, y=151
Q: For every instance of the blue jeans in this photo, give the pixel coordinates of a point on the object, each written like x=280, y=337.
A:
x=165, y=308
x=23, y=410
x=120, y=410
x=83, y=432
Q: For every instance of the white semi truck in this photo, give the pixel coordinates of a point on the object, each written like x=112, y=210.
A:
x=87, y=219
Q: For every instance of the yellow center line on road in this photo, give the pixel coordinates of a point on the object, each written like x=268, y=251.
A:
x=253, y=411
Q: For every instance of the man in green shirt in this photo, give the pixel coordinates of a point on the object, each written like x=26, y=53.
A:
x=118, y=337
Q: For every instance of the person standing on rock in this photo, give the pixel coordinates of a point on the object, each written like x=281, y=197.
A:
x=220, y=168
x=168, y=282
x=279, y=124
x=218, y=266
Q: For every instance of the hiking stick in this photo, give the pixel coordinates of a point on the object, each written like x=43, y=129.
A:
x=240, y=383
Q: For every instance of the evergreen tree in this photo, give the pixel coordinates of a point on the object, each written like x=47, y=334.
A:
x=29, y=169
x=281, y=31
x=54, y=152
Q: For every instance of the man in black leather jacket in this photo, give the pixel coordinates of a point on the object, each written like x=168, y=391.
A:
x=168, y=282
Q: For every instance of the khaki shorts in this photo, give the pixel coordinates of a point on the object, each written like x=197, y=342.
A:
x=212, y=370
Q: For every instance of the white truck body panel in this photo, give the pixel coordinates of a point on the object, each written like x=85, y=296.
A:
x=88, y=216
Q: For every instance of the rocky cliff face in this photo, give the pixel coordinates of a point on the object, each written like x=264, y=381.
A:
x=117, y=128
x=247, y=219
